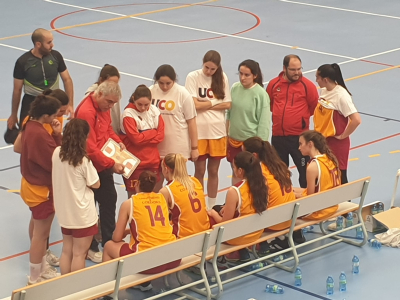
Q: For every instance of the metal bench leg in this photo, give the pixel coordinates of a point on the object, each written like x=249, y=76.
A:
x=114, y=295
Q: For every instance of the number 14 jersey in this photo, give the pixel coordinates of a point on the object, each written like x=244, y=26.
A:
x=148, y=222
x=189, y=214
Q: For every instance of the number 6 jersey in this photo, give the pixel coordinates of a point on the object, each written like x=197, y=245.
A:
x=149, y=222
x=189, y=214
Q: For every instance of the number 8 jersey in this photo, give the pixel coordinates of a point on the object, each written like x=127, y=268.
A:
x=189, y=214
x=149, y=222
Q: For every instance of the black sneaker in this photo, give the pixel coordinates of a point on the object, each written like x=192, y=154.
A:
x=277, y=244
x=298, y=237
x=264, y=249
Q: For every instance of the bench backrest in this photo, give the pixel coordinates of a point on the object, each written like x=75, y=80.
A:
x=106, y=272
x=284, y=212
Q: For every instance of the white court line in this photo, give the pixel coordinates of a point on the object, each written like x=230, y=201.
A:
x=80, y=63
x=342, y=9
x=203, y=30
x=5, y=147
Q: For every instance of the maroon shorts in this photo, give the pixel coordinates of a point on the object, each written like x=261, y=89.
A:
x=232, y=152
x=130, y=183
x=81, y=232
x=125, y=250
x=43, y=210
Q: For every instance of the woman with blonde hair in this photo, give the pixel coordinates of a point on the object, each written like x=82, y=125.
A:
x=185, y=197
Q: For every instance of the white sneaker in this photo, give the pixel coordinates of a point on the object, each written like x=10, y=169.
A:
x=39, y=279
x=52, y=259
x=96, y=257
x=49, y=273
x=143, y=287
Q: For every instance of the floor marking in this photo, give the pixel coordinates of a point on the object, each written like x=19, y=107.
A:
x=372, y=73
x=353, y=159
x=379, y=117
x=376, y=141
x=395, y=151
x=203, y=30
x=374, y=155
x=6, y=147
x=342, y=9
x=13, y=191
x=9, y=168
x=79, y=63
x=26, y=252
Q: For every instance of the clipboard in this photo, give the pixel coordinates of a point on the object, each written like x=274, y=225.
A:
x=112, y=150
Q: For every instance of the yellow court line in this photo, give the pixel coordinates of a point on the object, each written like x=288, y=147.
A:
x=395, y=151
x=13, y=191
x=114, y=19
x=353, y=159
x=372, y=73
x=374, y=155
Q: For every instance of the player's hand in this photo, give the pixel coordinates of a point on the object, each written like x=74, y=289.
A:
x=118, y=168
x=122, y=146
x=12, y=122
x=56, y=125
x=339, y=137
x=222, y=211
x=70, y=112
x=194, y=155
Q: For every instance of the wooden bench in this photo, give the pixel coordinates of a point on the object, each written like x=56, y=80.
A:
x=288, y=211
x=107, y=278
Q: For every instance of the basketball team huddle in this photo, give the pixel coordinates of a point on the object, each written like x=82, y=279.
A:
x=165, y=126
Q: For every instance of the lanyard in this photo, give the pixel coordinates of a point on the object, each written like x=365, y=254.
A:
x=44, y=74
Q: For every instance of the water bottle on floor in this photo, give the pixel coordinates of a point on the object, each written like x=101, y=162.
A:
x=356, y=265
x=342, y=282
x=329, y=285
x=359, y=233
x=297, y=277
x=278, y=258
x=374, y=210
x=380, y=207
x=339, y=223
x=307, y=229
x=349, y=219
x=254, y=266
x=274, y=289
x=374, y=243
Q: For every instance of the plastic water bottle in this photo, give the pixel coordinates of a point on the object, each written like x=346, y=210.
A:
x=278, y=258
x=359, y=233
x=380, y=207
x=349, y=219
x=374, y=243
x=297, y=277
x=339, y=223
x=307, y=229
x=356, y=265
x=329, y=285
x=254, y=266
x=374, y=209
x=274, y=289
x=342, y=282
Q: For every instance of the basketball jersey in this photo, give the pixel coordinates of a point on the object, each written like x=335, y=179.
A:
x=189, y=214
x=245, y=207
x=327, y=120
x=47, y=126
x=277, y=195
x=328, y=177
x=148, y=221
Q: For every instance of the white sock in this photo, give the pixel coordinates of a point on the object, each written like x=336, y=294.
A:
x=34, y=270
x=44, y=265
x=211, y=202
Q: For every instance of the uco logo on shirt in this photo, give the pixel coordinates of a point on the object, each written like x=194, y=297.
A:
x=164, y=104
x=205, y=92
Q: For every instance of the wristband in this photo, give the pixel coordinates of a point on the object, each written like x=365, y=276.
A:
x=195, y=148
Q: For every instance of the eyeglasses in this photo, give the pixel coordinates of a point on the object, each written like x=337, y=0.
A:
x=295, y=70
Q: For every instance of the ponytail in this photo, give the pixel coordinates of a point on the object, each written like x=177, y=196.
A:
x=217, y=79
x=147, y=181
x=177, y=163
x=255, y=179
x=334, y=73
x=255, y=70
x=270, y=158
x=43, y=105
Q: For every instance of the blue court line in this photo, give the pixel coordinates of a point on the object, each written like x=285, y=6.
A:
x=290, y=286
x=9, y=168
x=344, y=236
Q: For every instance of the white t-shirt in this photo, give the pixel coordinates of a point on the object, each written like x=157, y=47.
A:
x=338, y=99
x=176, y=107
x=73, y=199
x=210, y=123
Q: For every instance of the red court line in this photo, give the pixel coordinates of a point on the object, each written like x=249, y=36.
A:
x=375, y=62
x=222, y=190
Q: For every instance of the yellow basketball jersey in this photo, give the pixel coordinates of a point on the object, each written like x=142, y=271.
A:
x=277, y=195
x=189, y=214
x=47, y=126
x=323, y=118
x=149, y=223
x=328, y=177
x=244, y=208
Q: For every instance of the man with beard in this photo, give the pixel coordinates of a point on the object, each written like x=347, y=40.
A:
x=293, y=101
x=36, y=71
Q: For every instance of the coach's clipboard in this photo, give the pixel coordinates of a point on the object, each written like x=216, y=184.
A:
x=112, y=150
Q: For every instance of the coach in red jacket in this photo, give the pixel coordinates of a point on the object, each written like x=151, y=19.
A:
x=293, y=100
x=95, y=109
